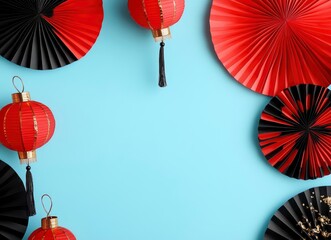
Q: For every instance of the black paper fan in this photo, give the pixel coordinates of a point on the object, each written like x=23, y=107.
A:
x=295, y=131
x=305, y=216
x=47, y=34
x=13, y=206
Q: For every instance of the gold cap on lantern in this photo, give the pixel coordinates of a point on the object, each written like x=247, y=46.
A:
x=161, y=34
x=27, y=157
x=21, y=97
x=49, y=222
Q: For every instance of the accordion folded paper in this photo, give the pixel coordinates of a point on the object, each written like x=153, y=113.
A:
x=48, y=34
x=271, y=45
x=295, y=131
x=305, y=216
x=13, y=210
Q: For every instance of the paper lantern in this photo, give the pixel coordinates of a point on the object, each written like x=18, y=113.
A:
x=158, y=16
x=50, y=228
x=48, y=34
x=25, y=126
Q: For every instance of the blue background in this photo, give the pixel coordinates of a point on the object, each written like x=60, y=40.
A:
x=131, y=161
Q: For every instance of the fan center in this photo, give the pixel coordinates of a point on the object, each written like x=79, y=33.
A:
x=47, y=13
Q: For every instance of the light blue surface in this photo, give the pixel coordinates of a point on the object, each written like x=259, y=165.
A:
x=131, y=161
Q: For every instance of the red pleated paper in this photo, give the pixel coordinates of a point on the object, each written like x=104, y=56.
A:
x=156, y=14
x=77, y=23
x=271, y=45
x=58, y=233
x=26, y=126
x=295, y=132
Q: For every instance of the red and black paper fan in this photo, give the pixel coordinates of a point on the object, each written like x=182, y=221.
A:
x=48, y=34
x=13, y=206
x=270, y=45
x=305, y=216
x=295, y=131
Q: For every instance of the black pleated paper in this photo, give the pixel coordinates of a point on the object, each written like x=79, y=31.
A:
x=295, y=131
x=305, y=216
x=47, y=34
x=13, y=205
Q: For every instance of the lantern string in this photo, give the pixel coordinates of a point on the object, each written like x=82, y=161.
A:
x=13, y=81
x=162, y=75
x=51, y=206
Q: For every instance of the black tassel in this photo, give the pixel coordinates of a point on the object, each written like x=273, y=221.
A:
x=29, y=192
x=162, y=76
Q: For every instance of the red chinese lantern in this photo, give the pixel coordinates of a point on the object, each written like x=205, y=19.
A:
x=50, y=228
x=158, y=16
x=25, y=126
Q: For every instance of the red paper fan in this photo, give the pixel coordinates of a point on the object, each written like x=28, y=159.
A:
x=270, y=45
x=295, y=131
x=48, y=34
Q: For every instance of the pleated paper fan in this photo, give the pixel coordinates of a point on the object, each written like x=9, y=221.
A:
x=305, y=216
x=295, y=131
x=48, y=34
x=13, y=205
x=270, y=45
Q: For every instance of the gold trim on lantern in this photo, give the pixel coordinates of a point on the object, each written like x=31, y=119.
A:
x=49, y=223
x=21, y=97
x=175, y=11
x=161, y=12
x=146, y=16
x=161, y=34
x=27, y=157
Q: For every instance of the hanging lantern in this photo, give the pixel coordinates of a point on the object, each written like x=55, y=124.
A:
x=158, y=16
x=25, y=126
x=50, y=228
